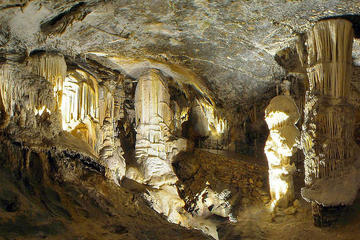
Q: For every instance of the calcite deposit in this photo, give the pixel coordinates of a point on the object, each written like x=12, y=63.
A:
x=328, y=129
x=281, y=115
x=178, y=119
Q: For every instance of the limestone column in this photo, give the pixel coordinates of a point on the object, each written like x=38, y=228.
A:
x=153, y=117
x=281, y=115
x=327, y=136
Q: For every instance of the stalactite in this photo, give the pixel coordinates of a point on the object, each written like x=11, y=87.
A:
x=20, y=88
x=6, y=88
x=80, y=106
x=209, y=121
x=53, y=68
x=327, y=136
x=153, y=118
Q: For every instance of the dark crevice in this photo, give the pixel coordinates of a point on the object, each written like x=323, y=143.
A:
x=58, y=24
x=353, y=18
x=21, y=5
x=87, y=161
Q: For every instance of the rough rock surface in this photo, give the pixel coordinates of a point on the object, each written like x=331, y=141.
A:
x=228, y=55
x=230, y=44
x=238, y=183
x=62, y=195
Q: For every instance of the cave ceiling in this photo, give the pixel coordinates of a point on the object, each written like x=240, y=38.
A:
x=228, y=45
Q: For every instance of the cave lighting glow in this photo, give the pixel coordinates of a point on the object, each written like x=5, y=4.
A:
x=79, y=102
x=278, y=185
x=274, y=119
x=41, y=110
x=216, y=123
x=70, y=104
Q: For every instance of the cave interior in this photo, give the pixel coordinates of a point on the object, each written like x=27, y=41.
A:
x=179, y=119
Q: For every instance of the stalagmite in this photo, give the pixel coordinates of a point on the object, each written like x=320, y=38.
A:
x=110, y=151
x=153, y=117
x=156, y=148
x=281, y=116
x=327, y=137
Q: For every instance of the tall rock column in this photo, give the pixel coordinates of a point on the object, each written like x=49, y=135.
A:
x=327, y=136
x=154, y=148
x=281, y=115
x=153, y=117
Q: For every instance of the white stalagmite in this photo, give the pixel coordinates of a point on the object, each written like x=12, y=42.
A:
x=153, y=117
x=155, y=149
x=281, y=116
x=110, y=151
x=327, y=137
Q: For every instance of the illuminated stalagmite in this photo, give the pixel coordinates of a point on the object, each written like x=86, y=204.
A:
x=110, y=151
x=327, y=136
x=156, y=147
x=281, y=116
x=153, y=117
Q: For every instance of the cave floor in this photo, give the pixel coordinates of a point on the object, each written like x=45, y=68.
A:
x=258, y=223
x=94, y=209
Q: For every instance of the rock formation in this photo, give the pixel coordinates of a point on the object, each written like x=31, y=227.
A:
x=153, y=117
x=209, y=126
x=154, y=145
x=327, y=136
x=53, y=68
x=80, y=106
x=141, y=111
x=281, y=115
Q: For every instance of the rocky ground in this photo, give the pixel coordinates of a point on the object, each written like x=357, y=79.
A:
x=247, y=181
x=258, y=223
x=52, y=195
x=60, y=195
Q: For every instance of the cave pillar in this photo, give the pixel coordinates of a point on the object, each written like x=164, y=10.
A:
x=153, y=118
x=327, y=136
x=281, y=116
